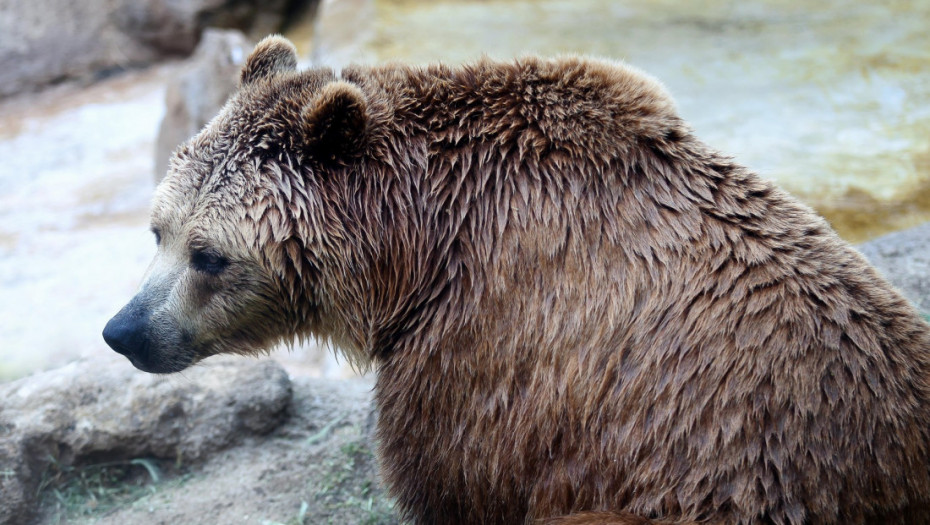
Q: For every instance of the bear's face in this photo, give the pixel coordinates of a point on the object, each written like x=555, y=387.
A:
x=238, y=261
x=207, y=290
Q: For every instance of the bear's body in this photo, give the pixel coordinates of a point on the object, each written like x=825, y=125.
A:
x=573, y=305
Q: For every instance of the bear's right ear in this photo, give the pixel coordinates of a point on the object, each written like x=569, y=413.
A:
x=336, y=120
x=274, y=54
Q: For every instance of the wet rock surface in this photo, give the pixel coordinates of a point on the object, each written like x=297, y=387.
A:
x=92, y=412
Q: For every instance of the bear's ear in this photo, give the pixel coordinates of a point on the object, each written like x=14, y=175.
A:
x=335, y=121
x=274, y=54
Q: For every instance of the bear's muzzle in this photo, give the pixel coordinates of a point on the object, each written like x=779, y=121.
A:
x=125, y=332
x=129, y=333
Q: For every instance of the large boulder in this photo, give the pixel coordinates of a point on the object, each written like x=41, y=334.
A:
x=317, y=467
x=93, y=412
x=197, y=94
x=44, y=41
x=904, y=258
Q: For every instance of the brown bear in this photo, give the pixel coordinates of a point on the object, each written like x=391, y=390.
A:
x=578, y=312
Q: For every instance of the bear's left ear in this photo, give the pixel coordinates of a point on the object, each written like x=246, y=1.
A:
x=336, y=120
x=274, y=54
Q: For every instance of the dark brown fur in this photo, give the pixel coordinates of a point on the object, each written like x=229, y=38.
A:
x=572, y=303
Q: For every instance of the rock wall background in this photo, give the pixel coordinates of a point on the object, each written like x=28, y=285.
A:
x=49, y=41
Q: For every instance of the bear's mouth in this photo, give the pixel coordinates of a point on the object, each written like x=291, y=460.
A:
x=158, y=366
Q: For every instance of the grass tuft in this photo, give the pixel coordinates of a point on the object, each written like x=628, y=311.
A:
x=339, y=493
x=67, y=492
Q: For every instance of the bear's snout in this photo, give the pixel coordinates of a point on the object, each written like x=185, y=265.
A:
x=150, y=343
x=126, y=333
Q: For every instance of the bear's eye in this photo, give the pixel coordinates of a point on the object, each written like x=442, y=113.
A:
x=208, y=262
x=157, y=233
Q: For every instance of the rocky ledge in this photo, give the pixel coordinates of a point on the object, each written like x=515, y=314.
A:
x=91, y=413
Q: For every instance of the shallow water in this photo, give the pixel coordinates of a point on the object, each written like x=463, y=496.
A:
x=830, y=99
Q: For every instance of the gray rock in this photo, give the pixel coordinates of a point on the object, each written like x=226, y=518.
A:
x=904, y=258
x=44, y=41
x=93, y=412
x=317, y=467
x=197, y=94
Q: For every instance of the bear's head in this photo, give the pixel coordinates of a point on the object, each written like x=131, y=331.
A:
x=251, y=218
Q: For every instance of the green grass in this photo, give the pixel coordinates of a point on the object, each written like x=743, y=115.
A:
x=366, y=503
x=297, y=520
x=69, y=492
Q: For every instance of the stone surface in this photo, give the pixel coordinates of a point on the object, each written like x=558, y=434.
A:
x=904, y=258
x=317, y=467
x=196, y=95
x=94, y=412
x=44, y=41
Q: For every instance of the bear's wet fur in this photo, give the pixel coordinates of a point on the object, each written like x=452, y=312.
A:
x=578, y=312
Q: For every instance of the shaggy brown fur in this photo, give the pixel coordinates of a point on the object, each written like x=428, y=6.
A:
x=577, y=310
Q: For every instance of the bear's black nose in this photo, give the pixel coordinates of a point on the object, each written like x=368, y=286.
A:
x=125, y=333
